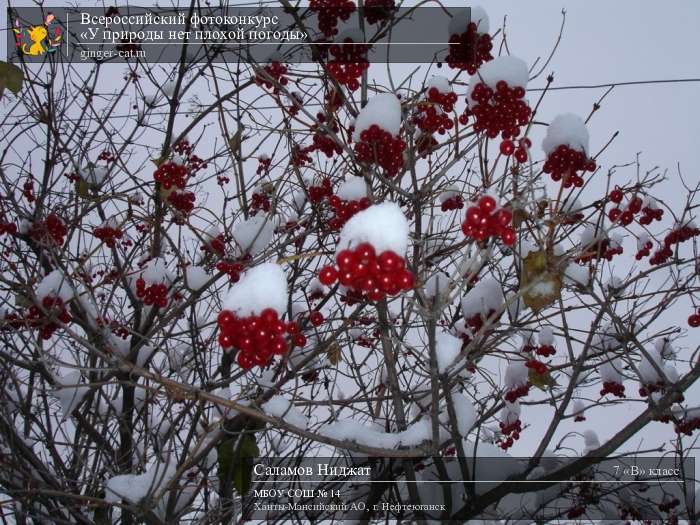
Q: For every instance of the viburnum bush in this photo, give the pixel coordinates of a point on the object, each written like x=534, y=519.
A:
x=206, y=262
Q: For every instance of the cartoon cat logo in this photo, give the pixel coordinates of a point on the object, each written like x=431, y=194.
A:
x=44, y=38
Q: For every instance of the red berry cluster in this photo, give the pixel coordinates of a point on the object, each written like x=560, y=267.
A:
x=687, y=426
x=259, y=202
x=579, y=417
x=378, y=10
x=50, y=231
x=487, y=220
x=215, y=245
x=518, y=148
x=370, y=275
x=329, y=11
x=344, y=209
x=7, y=227
x=469, y=49
x=601, y=249
x=649, y=212
x=107, y=156
x=542, y=350
x=300, y=156
x=564, y=163
x=672, y=503
x=232, y=269
x=257, y=337
x=611, y=387
x=171, y=175
x=263, y=165
x=675, y=236
x=380, y=147
x=318, y=193
x=272, y=76
x=538, y=367
x=576, y=512
x=348, y=62
x=511, y=433
x=625, y=217
x=108, y=234
x=694, y=319
x=430, y=119
x=322, y=141
x=446, y=101
x=53, y=308
x=28, y=189
x=153, y=294
x=475, y=323
x=643, y=250
x=183, y=203
x=455, y=202
x=515, y=393
x=651, y=388
x=502, y=111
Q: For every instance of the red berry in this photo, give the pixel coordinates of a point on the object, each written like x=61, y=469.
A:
x=487, y=203
x=316, y=318
x=328, y=275
x=694, y=320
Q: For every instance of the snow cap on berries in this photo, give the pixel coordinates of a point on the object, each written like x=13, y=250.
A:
x=439, y=83
x=516, y=374
x=254, y=234
x=447, y=348
x=546, y=336
x=462, y=17
x=508, y=68
x=156, y=271
x=486, y=295
x=383, y=110
x=353, y=189
x=384, y=226
x=610, y=372
x=263, y=286
x=568, y=130
x=55, y=284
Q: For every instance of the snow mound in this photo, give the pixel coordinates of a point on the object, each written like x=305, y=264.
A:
x=546, y=336
x=447, y=348
x=280, y=407
x=352, y=189
x=254, y=234
x=461, y=17
x=383, y=225
x=465, y=412
x=516, y=374
x=438, y=283
x=156, y=271
x=384, y=110
x=511, y=69
x=134, y=488
x=69, y=392
x=196, y=277
x=439, y=83
x=486, y=295
x=568, y=130
x=263, y=286
x=55, y=284
x=575, y=274
x=610, y=372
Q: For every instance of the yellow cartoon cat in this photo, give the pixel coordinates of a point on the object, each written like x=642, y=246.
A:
x=37, y=34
